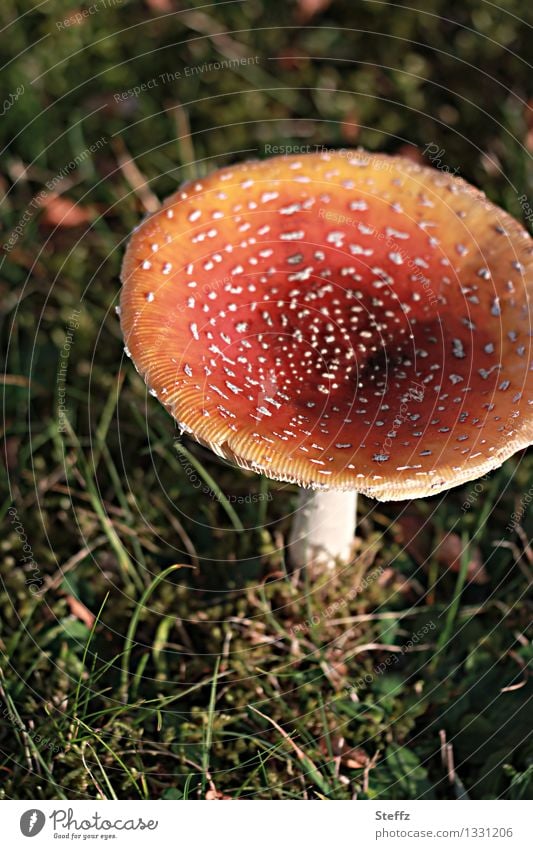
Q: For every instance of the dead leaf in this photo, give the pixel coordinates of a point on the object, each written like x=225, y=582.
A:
x=307, y=9
x=78, y=609
x=350, y=127
x=528, y=119
x=449, y=554
x=60, y=211
x=418, y=540
x=161, y=6
x=11, y=452
x=409, y=151
x=75, y=19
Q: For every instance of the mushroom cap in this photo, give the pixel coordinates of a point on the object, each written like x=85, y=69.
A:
x=339, y=320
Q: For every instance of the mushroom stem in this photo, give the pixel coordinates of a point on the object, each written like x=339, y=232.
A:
x=323, y=528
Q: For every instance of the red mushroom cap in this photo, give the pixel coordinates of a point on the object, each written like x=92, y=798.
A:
x=342, y=320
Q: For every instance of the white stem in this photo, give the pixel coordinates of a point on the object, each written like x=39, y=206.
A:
x=323, y=527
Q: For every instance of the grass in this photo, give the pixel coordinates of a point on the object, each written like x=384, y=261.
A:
x=153, y=642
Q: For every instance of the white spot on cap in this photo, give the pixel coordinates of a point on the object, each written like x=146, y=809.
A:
x=268, y=196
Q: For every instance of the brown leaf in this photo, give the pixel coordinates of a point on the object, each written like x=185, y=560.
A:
x=528, y=120
x=528, y=114
x=292, y=59
x=449, y=553
x=75, y=19
x=411, y=152
x=60, y=211
x=216, y=796
x=11, y=453
x=355, y=758
x=161, y=6
x=350, y=127
x=417, y=538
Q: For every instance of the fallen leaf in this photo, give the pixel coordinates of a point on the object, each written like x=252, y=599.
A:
x=449, y=553
x=75, y=19
x=409, y=151
x=350, y=127
x=419, y=543
x=161, y=6
x=10, y=453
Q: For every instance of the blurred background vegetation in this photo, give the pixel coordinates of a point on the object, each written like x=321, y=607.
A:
x=231, y=677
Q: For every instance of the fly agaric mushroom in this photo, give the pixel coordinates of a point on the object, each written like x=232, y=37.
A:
x=345, y=321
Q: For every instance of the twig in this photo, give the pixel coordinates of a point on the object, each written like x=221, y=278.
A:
x=134, y=177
